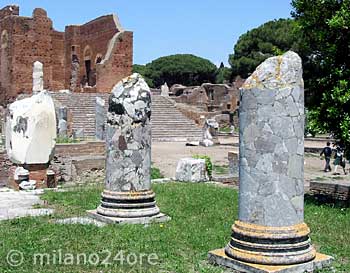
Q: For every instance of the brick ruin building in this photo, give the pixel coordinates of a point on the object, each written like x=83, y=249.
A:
x=84, y=58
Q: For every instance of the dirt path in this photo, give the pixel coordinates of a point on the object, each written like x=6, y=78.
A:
x=165, y=156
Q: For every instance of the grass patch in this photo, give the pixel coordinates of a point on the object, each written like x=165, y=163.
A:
x=321, y=178
x=156, y=174
x=218, y=169
x=66, y=140
x=202, y=216
x=225, y=129
x=312, y=155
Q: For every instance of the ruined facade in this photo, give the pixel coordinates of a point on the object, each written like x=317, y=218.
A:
x=208, y=97
x=88, y=58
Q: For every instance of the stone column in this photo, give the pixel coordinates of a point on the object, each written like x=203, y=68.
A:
x=62, y=121
x=38, y=77
x=271, y=229
x=128, y=196
x=101, y=116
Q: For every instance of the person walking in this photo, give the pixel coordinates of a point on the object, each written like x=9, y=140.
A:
x=327, y=152
x=339, y=160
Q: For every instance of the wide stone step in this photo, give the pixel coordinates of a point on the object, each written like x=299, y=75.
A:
x=167, y=122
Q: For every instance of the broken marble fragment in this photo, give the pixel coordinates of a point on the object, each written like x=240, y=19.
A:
x=31, y=130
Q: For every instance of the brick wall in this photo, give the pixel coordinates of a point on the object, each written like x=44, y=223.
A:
x=119, y=63
x=94, y=148
x=25, y=40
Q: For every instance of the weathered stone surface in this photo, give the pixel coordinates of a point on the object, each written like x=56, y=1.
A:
x=101, y=118
x=210, y=133
x=28, y=185
x=191, y=170
x=38, y=77
x=128, y=195
x=14, y=204
x=269, y=143
x=218, y=257
x=62, y=117
x=233, y=163
x=62, y=128
x=164, y=90
x=80, y=221
x=271, y=229
x=31, y=130
x=74, y=79
x=129, y=136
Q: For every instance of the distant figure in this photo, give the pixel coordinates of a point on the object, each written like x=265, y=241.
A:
x=327, y=152
x=339, y=160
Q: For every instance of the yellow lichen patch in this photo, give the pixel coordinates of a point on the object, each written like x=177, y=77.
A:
x=278, y=67
x=253, y=81
x=259, y=231
x=134, y=195
x=320, y=258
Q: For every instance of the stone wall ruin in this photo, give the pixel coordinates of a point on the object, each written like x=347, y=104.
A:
x=89, y=58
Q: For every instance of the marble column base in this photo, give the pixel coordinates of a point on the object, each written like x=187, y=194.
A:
x=128, y=207
x=270, y=245
x=219, y=257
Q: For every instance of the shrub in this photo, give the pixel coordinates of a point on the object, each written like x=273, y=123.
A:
x=208, y=163
x=155, y=173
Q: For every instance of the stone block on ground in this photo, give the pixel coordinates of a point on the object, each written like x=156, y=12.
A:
x=191, y=170
x=31, y=130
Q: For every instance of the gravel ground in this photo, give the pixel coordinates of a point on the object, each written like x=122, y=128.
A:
x=165, y=156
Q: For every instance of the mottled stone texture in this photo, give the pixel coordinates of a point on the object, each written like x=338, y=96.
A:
x=101, y=118
x=271, y=229
x=272, y=144
x=129, y=136
x=128, y=196
x=191, y=170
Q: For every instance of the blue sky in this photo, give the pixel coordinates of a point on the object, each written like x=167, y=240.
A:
x=207, y=28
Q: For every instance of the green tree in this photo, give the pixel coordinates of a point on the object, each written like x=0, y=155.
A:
x=223, y=74
x=185, y=69
x=142, y=70
x=270, y=39
x=325, y=27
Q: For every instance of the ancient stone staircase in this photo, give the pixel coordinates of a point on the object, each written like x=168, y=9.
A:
x=82, y=107
x=168, y=124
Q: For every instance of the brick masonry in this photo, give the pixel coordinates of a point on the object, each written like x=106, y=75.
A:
x=93, y=148
x=102, y=48
x=79, y=156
